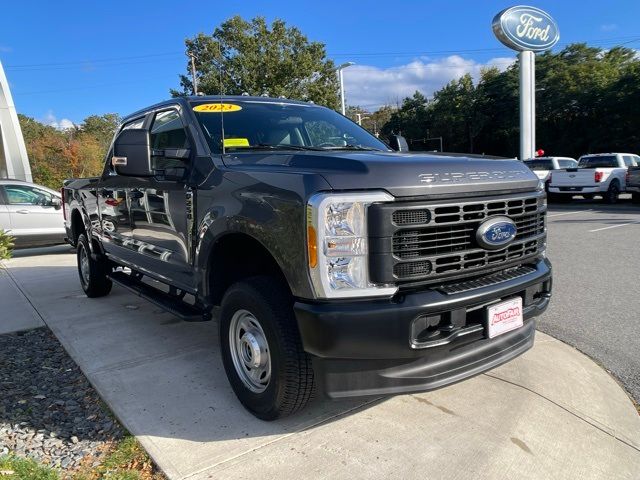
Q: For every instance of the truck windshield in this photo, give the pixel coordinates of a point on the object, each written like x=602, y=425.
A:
x=256, y=125
x=603, y=161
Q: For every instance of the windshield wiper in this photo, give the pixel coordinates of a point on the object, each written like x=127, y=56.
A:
x=279, y=146
x=353, y=147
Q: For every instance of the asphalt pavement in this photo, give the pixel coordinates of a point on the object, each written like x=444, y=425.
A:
x=595, y=251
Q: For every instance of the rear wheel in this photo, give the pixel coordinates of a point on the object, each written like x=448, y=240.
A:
x=612, y=193
x=262, y=353
x=92, y=272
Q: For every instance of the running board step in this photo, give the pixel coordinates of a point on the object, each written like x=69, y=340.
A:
x=183, y=310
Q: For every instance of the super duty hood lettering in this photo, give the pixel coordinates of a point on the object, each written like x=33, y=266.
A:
x=462, y=177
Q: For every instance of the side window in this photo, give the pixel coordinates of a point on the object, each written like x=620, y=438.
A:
x=628, y=161
x=133, y=124
x=23, y=195
x=167, y=131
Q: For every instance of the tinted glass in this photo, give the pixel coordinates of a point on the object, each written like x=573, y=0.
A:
x=167, y=131
x=567, y=163
x=283, y=125
x=604, y=161
x=629, y=161
x=23, y=195
x=539, y=164
x=134, y=124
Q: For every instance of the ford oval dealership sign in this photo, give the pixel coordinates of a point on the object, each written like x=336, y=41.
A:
x=526, y=28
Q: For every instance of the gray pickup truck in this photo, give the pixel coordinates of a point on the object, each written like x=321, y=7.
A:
x=633, y=181
x=337, y=263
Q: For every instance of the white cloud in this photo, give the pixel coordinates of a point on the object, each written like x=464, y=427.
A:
x=371, y=87
x=62, y=124
x=609, y=27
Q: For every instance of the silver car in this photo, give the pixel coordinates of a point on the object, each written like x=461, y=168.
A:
x=31, y=213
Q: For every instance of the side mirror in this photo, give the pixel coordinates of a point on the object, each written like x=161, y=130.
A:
x=398, y=143
x=56, y=202
x=132, y=153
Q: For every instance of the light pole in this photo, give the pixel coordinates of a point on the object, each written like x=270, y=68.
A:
x=194, y=79
x=339, y=70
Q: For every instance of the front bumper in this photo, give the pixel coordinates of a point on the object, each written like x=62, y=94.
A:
x=369, y=347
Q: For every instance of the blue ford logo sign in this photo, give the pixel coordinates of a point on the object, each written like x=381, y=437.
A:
x=526, y=28
x=496, y=232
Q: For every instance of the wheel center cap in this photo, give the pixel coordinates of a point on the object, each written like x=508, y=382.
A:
x=251, y=352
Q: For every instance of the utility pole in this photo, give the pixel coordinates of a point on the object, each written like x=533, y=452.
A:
x=194, y=79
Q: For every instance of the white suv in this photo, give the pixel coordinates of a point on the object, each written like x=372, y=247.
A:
x=30, y=213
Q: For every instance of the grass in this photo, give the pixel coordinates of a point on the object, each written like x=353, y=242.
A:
x=126, y=460
x=14, y=468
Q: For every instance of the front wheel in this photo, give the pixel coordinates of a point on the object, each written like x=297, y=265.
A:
x=92, y=272
x=262, y=353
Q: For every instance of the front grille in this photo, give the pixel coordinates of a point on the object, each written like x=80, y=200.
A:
x=430, y=242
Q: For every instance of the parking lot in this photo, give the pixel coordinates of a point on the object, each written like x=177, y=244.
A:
x=551, y=413
x=596, y=305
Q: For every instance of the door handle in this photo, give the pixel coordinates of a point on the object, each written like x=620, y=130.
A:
x=136, y=194
x=23, y=212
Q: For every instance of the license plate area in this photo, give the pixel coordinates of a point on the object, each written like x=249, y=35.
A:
x=504, y=317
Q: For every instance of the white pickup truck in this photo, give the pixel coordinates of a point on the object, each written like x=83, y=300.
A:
x=543, y=166
x=597, y=174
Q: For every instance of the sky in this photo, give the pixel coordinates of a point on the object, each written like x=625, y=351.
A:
x=66, y=60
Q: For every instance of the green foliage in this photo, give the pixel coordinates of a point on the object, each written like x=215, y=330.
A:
x=586, y=101
x=55, y=154
x=6, y=245
x=14, y=468
x=257, y=58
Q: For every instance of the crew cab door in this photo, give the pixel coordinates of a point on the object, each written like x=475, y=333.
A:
x=159, y=203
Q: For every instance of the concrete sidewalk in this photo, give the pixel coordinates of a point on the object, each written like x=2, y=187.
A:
x=550, y=414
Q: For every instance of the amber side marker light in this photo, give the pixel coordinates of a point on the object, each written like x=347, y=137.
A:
x=312, y=246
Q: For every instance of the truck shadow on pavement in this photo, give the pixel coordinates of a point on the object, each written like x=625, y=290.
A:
x=160, y=376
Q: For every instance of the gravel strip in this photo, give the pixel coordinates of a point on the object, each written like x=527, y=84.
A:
x=48, y=409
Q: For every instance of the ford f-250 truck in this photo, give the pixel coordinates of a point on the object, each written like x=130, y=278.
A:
x=597, y=174
x=337, y=263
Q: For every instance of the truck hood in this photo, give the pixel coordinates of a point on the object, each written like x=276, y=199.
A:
x=401, y=174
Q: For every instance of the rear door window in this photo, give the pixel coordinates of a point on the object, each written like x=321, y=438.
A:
x=603, y=161
x=628, y=161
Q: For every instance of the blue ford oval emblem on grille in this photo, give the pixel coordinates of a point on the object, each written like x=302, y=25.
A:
x=496, y=232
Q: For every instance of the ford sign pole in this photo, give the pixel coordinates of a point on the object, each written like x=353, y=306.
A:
x=527, y=61
x=527, y=30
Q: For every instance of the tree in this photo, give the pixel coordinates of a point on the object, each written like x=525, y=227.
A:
x=255, y=58
x=101, y=127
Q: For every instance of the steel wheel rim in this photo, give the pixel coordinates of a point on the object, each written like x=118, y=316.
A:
x=84, y=265
x=250, y=351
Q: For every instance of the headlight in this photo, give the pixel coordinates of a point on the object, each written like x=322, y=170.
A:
x=338, y=245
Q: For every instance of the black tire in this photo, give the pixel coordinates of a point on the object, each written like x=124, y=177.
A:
x=612, y=194
x=290, y=384
x=93, y=273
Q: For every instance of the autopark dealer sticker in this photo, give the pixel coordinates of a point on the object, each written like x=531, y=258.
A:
x=504, y=317
x=217, y=107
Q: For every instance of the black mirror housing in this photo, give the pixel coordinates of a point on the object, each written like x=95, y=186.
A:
x=132, y=153
x=398, y=143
